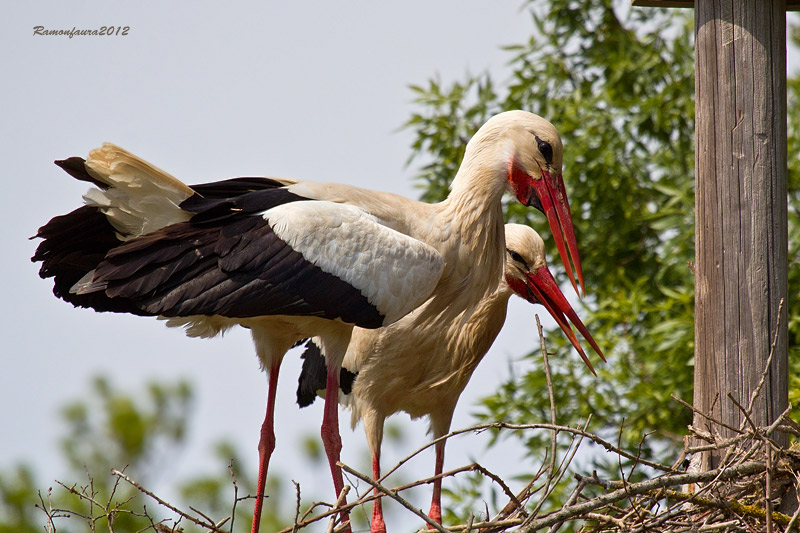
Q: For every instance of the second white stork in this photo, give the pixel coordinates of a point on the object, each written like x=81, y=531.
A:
x=290, y=259
x=422, y=367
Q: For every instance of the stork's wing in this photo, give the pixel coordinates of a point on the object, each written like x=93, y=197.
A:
x=132, y=198
x=303, y=257
x=146, y=243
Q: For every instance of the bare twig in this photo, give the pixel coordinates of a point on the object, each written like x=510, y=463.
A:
x=705, y=415
x=51, y=513
x=338, y=507
x=208, y=525
x=606, y=518
x=368, y=498
x=795, y=427
x=235, y=494
x=210, y=520
x=736, y=507
x=793, y=521
x=668, y=480
x=622, y=472
x=470, y=521
x=768, y=483
x=486, y=526
x=297, y=506
x=521, y=427
x=393, y=494
x=497, y=479
x=551, y=466
x=568, y=457
x=573, y=497
x=778, y=422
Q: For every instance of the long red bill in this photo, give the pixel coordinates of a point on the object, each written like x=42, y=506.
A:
x=544, y=290
x=553, y=198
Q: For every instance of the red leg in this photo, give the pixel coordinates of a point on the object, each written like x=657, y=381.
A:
x=330, y=434
x=266, y=444
x=378, y=525
x=436, y=503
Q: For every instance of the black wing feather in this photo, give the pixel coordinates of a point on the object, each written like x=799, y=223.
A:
x=161, y=269
x=234, y=187
x=73, y=245
x=190, y=269
x=314, y=376
x=76, y=167
x=214, y=210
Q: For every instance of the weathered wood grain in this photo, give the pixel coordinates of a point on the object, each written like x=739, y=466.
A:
x=740, y=208
x=791, y=5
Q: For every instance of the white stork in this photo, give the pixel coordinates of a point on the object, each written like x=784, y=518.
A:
x=421, y=366
x=291, y=260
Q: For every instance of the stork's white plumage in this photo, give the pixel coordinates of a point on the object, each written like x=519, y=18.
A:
x=422, y=366
x=290, y=259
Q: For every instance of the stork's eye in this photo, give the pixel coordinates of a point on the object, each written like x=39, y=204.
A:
x=546, y=150
x=518, y=258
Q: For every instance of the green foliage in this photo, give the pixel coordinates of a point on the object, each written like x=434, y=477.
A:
x=620, y=89
x=17, y=488
x=793, y=160
x=466, y=495
x=143, y=432
x=126, y=430
x=113, y=429
x=623, y=102
x=140, y=433
x=213, y=493
x=443, y=131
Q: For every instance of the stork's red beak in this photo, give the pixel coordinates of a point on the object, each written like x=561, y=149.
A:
x=542, y=288
x=552, y=196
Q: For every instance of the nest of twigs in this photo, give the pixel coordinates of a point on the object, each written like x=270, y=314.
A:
x=754, y=489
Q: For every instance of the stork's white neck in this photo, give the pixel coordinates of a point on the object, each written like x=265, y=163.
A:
x=474, y=206
x=482, y=177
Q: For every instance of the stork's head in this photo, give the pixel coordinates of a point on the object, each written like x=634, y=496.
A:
x=526, y=273
x=531, y=152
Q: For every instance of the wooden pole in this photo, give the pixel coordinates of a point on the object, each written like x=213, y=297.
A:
x=741, y=201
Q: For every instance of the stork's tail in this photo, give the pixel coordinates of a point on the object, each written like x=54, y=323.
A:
x=132, y=198
x=136, y=197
